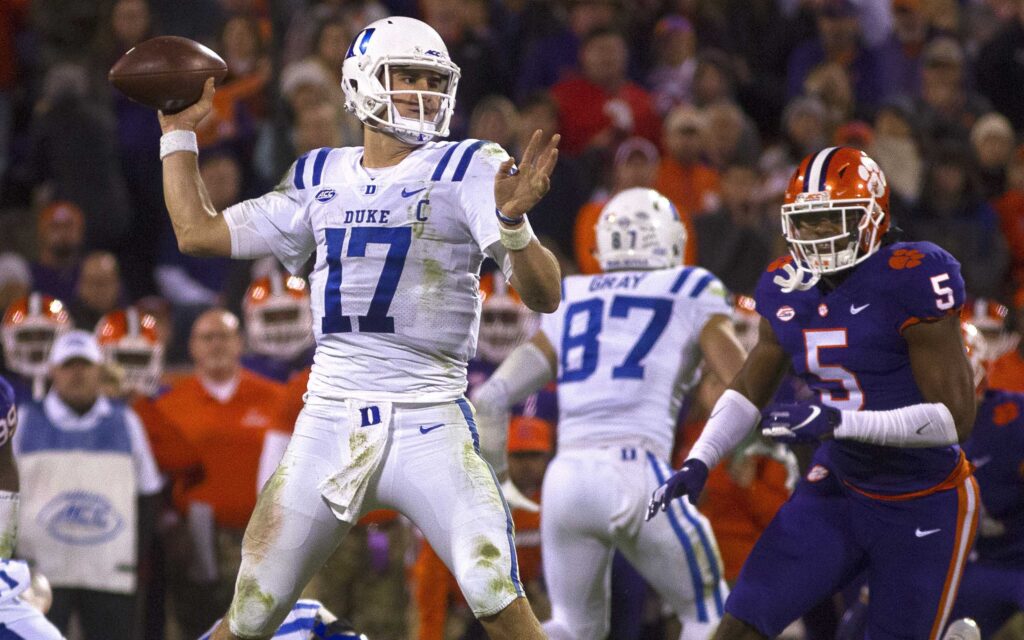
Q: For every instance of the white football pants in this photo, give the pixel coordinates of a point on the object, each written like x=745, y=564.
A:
x=594, y=501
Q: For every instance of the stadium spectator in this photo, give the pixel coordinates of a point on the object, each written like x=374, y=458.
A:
x=683, y=175
x=224, y=412
x=953, y=215
x=495, y=119
x=736, y=241
x=60, y=234
x=947, y=108
x=992, y=141
x=729, y=136
x=86, y=471
x=599, y=106
x=895, y=148
x=675, y=48
x=999, y=72
x=98, y=291
x=13, y=14
x=1010, y=207
x=714, y=79
x=838, y=42
x=902, y=50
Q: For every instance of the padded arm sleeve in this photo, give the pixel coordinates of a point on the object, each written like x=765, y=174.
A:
x=731, y=420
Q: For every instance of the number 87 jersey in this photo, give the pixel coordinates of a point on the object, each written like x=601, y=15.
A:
x=628, y=351
x=847, y=343
x=394, y=290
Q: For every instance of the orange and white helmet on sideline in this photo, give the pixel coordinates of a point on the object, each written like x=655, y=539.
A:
x=746, y=321
x=976, y=348
x=845, y=190
x=130, y=340
x=278, y=320
x=505, y=322
x=30, y=327
x=990, y=318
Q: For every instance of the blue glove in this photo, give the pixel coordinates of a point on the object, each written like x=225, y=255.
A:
x=799, y=423
x=688, y=481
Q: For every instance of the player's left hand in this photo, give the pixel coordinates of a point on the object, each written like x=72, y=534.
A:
x=799, y=423
x=518, y=189
x=688, y=481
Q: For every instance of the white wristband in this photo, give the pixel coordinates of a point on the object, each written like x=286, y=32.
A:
x=180, y=140
x=517, y=238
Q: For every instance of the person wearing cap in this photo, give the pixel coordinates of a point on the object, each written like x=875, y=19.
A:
x=60, y=232
x=992, y=139
x=636, y=164
x=86, y=474
x=671, y=79
x=683, y=174
x=530, y=446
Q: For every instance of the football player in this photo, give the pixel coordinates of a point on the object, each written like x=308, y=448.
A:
x=872, y=326
x=992, y=590
x=627, y=346
x=400, y=228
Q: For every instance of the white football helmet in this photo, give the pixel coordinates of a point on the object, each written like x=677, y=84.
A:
x=30, y=327
x=129, y=339
x=639, y=229
x=505, y=322
x=366, y=78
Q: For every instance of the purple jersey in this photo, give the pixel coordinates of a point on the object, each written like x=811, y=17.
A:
x=996, y=448
x=543, y=404
x=848, y=345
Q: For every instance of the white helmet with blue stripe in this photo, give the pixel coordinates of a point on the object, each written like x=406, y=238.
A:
x=366, y=78
x=639, y=229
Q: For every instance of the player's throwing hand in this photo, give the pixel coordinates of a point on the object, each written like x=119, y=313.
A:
x=688, y=481
x=518, y=189
x=189, y=118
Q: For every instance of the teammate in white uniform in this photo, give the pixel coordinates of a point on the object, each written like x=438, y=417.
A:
x=24, y=598
x=399, y=228
x=627, y=346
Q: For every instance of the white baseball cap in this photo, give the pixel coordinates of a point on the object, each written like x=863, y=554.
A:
x=75, y=344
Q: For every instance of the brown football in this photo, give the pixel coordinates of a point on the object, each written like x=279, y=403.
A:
x=167, y=72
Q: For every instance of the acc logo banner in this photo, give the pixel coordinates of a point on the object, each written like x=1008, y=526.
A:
x=81, y=518
x=325, y=195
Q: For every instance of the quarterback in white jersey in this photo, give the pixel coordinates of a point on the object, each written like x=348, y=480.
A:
x=627, y=346
x=399, y=228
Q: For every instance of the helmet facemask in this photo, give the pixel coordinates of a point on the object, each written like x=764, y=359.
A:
x=141, y=361
x=857, y=222
x=504, y=324
x=279, y=327
x=27, y=346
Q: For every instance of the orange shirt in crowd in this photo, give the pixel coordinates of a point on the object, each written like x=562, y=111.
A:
x=229, y=439
x=174, y=454
x=693, y=189
x=739, y=515
x=1007, y=372
x=436, y=586
x=586, y=237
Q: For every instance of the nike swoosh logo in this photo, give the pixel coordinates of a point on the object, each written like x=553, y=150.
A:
x=426, y=429
x=855, y=309
x=921, y=534
x=921, y=429
x=982, y=461
x=814, y=414
x=406, y=193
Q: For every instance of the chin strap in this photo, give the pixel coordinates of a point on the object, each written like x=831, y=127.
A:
x=796, y=279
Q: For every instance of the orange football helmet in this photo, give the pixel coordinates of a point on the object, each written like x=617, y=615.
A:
x=990, y=318
x=30, y=327
x=278, y=320
x=129, y=339
x=836, y=210
x=505, y=322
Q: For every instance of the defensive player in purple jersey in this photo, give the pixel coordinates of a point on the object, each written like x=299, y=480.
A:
x=871, y=325
x=992, y=589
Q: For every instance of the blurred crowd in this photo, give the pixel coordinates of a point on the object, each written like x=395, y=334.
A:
x=712, y=102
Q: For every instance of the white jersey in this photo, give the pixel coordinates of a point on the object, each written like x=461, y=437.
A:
x=395, y=286
x=628, y=352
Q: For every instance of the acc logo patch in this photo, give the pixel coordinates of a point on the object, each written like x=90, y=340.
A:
x=785, y=313
x=325, y=195
x=817, y=473
x=81, y=518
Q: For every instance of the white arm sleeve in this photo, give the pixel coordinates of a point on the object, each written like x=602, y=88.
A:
x=523, y=372
x=731, y=420
x=246, y=240
x=916, y=426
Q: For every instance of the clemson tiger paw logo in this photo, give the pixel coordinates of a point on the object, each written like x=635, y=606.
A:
x=779, y=263
x=1005, y=413
x=872, y=175
x=905, y=258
